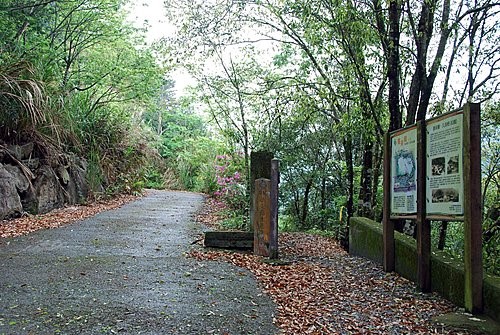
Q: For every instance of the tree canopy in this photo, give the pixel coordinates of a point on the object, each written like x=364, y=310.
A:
x=320, y=82
x=317, y=82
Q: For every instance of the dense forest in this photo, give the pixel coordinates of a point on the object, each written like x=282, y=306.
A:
x=317, y=82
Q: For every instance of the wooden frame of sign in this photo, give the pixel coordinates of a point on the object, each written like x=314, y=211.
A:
x=432, y=171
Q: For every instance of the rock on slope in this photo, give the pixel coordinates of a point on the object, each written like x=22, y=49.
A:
x=34, y=185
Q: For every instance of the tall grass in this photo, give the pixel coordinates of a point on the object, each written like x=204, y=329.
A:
x=59, y=122
x=22, y=100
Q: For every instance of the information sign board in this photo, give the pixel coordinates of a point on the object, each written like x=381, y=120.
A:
x=404, y=171
x=444, y=181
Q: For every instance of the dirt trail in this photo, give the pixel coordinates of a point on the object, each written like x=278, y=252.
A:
x=124, y=272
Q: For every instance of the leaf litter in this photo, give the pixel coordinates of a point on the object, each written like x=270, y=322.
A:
x=59, y=217
x=324, y=290
x=321, y=290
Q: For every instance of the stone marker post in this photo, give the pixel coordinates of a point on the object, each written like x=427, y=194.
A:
x=262, y=217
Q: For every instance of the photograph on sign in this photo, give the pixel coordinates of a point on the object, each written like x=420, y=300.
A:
x=444, y=182
x=404, y=172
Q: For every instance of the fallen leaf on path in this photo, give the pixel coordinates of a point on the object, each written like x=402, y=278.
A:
x=59, y=217
x=324, y=290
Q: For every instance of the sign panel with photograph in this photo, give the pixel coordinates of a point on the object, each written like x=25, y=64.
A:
x=404, y=172
x=444, y=182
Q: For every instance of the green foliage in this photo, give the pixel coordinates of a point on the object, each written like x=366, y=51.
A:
x=491, y=246
x=490, y=158
x=322, y=232
x=95, y=177
x=21, y=99
x=72, y=79
x=183, y=142
x=196, y=164
x=234, y=220
x=153, y=178
x=287, y=223
x=320, y=102
x=454, y=243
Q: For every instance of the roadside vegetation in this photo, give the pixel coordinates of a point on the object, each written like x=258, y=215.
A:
x=73, y=80
x=316, y=82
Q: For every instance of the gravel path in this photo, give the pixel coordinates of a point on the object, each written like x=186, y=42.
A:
x=125, y=272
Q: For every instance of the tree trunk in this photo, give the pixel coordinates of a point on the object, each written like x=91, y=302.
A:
x=442, y=235
x=446, y=85
x=246, y=140
x=377, y=165
x=393, y=70
x=296, y=205
x=423, y=83
x=470, y=64
x=365, y=191
x=344, y=236
x=422, y=34
x=305, y=204
x=323, y=203
x=159, y=129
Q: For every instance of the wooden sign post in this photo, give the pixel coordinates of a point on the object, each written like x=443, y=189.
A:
x=473, y=256
x=423, y=225
x=387, y=223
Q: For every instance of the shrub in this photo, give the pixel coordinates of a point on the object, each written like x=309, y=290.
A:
x=230, y=183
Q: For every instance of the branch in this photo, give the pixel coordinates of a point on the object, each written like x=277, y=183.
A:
x=82, y=89
x=32, y=6
x=477, y=9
